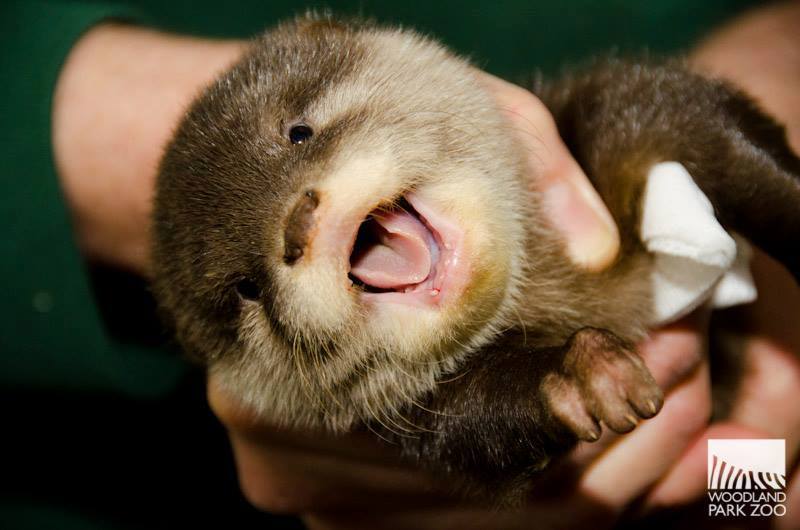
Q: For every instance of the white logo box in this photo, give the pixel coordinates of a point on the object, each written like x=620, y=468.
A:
x=747, y=464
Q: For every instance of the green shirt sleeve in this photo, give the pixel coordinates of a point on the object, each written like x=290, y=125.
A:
x=51, y=333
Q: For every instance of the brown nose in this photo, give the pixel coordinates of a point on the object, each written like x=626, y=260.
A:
x=298, y=226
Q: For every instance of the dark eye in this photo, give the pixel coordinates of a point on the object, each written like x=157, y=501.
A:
x=247, y=289
x=300, y=133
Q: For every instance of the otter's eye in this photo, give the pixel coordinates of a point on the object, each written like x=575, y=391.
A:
x=247, y=290
x=300, y=133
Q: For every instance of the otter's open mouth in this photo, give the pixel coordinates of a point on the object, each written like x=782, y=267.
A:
x=408, y=253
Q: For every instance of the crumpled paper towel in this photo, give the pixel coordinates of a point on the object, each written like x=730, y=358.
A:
x=696, y=259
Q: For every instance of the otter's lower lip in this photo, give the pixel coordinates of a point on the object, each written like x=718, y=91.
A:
x=448, y=272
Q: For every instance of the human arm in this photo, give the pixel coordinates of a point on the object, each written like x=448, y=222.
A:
x=121, y=93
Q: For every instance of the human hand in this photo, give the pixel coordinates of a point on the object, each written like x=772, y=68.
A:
x=763, y=340
x=759, y=53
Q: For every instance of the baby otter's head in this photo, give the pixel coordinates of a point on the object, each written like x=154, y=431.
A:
x=339, y=220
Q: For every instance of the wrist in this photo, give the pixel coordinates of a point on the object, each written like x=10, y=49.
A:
x=118, y=98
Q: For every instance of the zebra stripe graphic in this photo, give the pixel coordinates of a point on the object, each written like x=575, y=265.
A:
x=725, y=476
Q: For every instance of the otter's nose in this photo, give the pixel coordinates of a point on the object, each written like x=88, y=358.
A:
x=298, y=227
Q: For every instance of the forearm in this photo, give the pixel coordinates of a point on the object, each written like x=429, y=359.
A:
x=118, y=98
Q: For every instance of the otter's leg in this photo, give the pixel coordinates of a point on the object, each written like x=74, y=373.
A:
x=757, y=192
x=514, y=406
x=623, y=118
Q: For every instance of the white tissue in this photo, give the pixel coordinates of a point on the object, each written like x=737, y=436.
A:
x=696, y=260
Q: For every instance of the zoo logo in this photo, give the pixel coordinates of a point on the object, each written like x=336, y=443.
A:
x=746, y=478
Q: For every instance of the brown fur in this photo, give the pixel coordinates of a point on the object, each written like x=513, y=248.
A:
x=400, y=113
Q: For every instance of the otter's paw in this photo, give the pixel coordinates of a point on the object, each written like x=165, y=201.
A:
x=601, y=380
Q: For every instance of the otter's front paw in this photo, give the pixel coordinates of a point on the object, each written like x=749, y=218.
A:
x=601, y=380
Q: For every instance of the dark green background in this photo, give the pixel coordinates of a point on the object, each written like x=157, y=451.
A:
x=104, y=425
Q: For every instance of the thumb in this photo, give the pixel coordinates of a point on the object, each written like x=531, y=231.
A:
x=571, y=203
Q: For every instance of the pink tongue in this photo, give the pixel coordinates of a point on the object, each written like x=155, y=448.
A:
x=400, y=254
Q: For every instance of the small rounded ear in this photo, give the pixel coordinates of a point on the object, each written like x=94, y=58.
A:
x=313, y=22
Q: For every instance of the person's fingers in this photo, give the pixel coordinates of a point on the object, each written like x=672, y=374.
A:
x=572, y=204
x=283, y=479
x=294, y=471
x=675, y=351
x=765, y=405
x=686, y=481
x=768, y=336
x=770, y=386
x=767, y=342
x=648, y=453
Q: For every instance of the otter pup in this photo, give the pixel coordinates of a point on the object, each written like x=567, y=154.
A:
x=345, y=236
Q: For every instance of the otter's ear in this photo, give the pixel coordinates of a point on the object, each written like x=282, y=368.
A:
x=317, y=23
x=313, y=22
